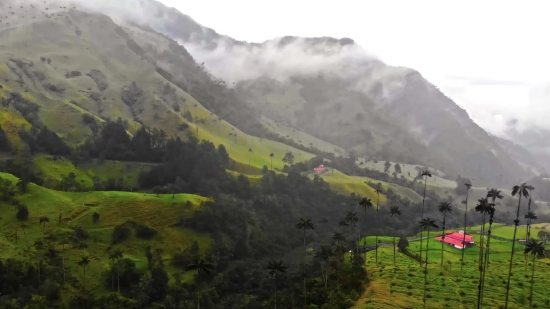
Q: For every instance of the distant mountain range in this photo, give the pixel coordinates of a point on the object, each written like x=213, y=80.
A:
x=330, y=88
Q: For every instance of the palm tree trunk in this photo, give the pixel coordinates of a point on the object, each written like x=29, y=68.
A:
x=426, y=267
x=365, y=242
x=443, y=241
x=532, y=282
x=377, y=228
x=516, y=222
x=423, y=199
x=464, y=235
x=481, y=264
x=63, y=264
x=275, y=292
x=305, y=290
x=84, y=277
x=394, y=221
x=486, y=261
x=118, y=275
x=304, y=239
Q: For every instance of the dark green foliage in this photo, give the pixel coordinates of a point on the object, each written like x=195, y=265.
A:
x=6, y=190
x=4, y=142
x=27, y=109
x=144, y=232
x=95, y=217
x=88, y=119
x=121, y=233
x=44, y=140
x=73, y=74
x=22, y=213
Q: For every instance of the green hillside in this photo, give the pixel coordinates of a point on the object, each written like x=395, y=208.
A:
x=29, y=239
x=401, y=286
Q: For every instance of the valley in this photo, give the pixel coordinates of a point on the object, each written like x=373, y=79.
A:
x=132, y=175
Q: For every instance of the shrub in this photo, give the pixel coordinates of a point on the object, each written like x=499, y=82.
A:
x=22, y=213
x=121, y=233
x=461, y=293
x=88, y=119
x=145, y=232
x=409, y=286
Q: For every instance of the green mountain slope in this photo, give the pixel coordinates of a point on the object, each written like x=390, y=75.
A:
x=67, y=211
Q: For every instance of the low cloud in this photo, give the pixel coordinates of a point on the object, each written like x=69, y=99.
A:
x=278, y=60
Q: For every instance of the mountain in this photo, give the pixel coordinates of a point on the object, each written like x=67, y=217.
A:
x=334, y=90
x=330, y=88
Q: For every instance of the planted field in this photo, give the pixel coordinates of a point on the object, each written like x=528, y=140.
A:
x=402, y=286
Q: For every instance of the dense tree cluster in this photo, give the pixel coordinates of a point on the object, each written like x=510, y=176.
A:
x=4, y=142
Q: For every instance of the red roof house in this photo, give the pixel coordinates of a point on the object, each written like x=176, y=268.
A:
x=319, y=169
x=455, y=239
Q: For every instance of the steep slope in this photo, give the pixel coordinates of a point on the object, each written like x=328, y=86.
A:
x=61, y=68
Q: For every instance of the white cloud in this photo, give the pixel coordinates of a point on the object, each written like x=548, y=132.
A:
x=481, y=41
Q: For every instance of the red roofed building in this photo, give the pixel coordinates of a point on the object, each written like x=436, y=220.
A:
x=455, y=239
x=319, y=169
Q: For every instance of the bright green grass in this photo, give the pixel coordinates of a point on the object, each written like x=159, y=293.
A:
x=68, y=210
x=54, y=171
x=239, y=144
x=402, y=286
x=345, y=184
x=301, y=137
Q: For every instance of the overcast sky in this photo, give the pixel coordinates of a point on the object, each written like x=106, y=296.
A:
x=491, y=57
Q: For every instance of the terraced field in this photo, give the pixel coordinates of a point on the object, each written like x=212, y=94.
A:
x=66, y=211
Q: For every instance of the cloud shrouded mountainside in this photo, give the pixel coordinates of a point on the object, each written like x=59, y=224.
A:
x=335, y=90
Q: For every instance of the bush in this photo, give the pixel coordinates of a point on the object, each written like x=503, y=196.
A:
x=121, y=233
x=22, y=213
x=88, y=119
x=145, y=232
x=72, y=74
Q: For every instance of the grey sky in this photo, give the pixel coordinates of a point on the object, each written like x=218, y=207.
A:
x=491, y=57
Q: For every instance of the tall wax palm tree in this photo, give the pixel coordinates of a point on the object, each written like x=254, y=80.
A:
x=365, y=203
x=351, y=218
x=305, y=224
x=271, y=157
x=249, y=154
x=528, y=227
x=275, y=268
x=530, y=216
x=338, y=237
x=118, y=254
x=483, y=207
x=394, y=212
x=494, y=194
x=378, y=191
x=537, y=250
x=424, y=174
x=324, y=255
x=324, y=221
x=520, y=190
x=43, y=220
x=112, y=258
x=425, y=224
x=84, y=262
x=444, y=208
x=202, y=267
x=468, y=186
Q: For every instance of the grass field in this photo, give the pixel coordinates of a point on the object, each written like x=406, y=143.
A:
x=301, y=137
x=53, y=171
x=67, y=211
x=402, y=286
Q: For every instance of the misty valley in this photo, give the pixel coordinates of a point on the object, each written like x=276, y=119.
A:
x=148, y=161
